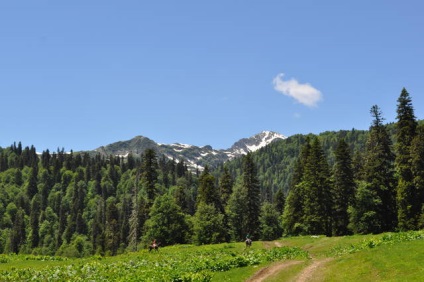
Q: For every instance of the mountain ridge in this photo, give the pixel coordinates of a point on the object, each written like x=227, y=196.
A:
x=196, y=157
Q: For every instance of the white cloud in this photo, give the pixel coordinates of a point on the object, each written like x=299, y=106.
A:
x=303, y=93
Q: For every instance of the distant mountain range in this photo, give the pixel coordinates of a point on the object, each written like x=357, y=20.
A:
x=195, y=157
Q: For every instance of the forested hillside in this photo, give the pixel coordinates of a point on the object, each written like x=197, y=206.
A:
x=275, y=162
x=336, y=183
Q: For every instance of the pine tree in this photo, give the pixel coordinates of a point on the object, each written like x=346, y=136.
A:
x=317, y=192
x=34, y=220
x=251, y=186
x=236, y=211
x=112, y=238
x=270, y=225
x=405, y=133
x=208, y=225
x=279, y=201
x=292, y=219
x=225, y=186
x=181, y=194
x=417, y=168
x=98, y=227
x=32, y=188
x=18, y=233
x=343, y=188
x=379, y=173
x=207, y=192
x=134, y=218
x=150, y=174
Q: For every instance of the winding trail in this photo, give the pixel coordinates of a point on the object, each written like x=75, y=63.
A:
x=303, y=276
x=266, y=272
x=309, y=271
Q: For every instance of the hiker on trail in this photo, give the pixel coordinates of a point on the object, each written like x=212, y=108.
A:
x=248, y=241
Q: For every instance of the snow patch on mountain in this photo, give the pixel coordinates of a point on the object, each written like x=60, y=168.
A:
x=195, y=157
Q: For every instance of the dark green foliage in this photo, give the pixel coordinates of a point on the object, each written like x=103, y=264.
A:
x=379, y=177
x=167, y=223
x=365, y=214
x=208, y=193
x=112, y=234
x=270, y=223
x=317, y=192
x=150, y=174
x=237, y=212
x=405, y=132
x=343, y=189
x=226, y=186
x=34, y=220
x=18, y=234
x=417, y=168
x=98, y=227
x=294, y=207
x=279, y=201
x=208, y=225
x=182, y=195
x=250, y=184
x=32, y=183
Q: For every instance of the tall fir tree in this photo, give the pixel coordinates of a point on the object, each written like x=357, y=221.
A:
x=270, y=222
x=98, y=226
x=343, y=188
x=32, y=187
x=292, y=219
x=208, y=225
x=236, y=211
x=405, y=132
x=207, y=192
x=18, y=233
x=317, y=189
x=112, y=234
x=279, y=201
x=251, y=186
x=34, y=220
x=417, y=167
x=134, y=217
x=225, y=186
x=379, y=172
x=150, y=174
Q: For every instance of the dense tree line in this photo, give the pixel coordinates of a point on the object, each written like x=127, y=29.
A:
x=335, y=183
x=377, y=190
x=76, y=204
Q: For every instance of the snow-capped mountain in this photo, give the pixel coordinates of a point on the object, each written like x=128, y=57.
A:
x=251, y=144
x=195, y=157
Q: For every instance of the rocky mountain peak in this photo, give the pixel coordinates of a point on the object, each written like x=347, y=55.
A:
x=195, y=157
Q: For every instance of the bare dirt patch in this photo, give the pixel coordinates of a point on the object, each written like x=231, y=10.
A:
x=266, y=272
x=309, y=271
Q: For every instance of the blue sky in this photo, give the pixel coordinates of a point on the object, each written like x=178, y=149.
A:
x=82, y=74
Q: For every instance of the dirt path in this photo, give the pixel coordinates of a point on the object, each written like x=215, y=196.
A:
x=266, y=272
x=309, y=271
x=304, y=276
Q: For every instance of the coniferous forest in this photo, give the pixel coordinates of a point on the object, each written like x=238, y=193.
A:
x=333, y=184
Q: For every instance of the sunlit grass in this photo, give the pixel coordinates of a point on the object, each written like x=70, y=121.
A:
x=383, y=257
x=394, y=262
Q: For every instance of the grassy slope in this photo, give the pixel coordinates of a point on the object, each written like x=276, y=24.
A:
x=384, y=257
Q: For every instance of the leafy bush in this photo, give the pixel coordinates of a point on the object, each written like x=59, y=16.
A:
x=178, y=263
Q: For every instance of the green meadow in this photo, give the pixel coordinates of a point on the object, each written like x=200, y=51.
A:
x=383, y=257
